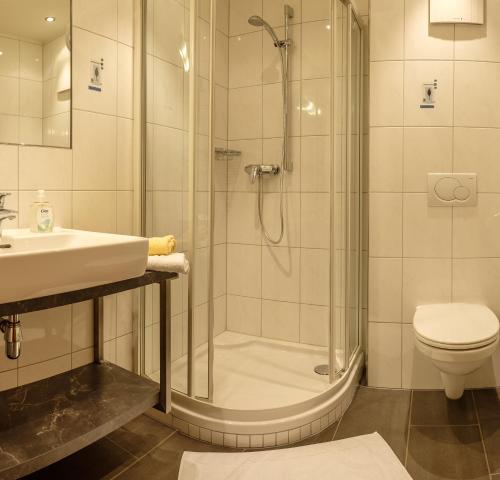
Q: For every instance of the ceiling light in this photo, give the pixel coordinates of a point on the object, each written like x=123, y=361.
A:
x=50, y=19
x=1, y=53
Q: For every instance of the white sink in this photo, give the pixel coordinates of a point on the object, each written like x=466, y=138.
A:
x=39, y=264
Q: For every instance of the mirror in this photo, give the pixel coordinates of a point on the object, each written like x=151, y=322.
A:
x=35, y=72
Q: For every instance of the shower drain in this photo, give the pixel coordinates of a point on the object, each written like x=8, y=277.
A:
x=322, y=369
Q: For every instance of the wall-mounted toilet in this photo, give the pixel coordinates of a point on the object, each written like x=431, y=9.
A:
x=458, y=338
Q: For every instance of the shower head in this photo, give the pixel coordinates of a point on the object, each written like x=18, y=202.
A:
x=257, y=21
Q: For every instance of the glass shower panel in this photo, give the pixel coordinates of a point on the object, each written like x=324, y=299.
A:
x=340, y=188
x=177, y=180
x=353, y=310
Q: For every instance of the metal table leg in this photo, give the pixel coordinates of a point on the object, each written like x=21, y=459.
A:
x=165, y=346
x=98, y=308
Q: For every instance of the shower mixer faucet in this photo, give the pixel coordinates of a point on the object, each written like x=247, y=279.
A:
x=260, y=170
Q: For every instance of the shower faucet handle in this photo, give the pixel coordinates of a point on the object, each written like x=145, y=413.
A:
x=256, y=170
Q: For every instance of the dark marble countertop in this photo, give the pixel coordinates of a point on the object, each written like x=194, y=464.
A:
x=77, y=296
x=50, y=419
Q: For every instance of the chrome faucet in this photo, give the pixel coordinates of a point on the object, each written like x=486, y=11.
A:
x=256, y=170
x=5, y=213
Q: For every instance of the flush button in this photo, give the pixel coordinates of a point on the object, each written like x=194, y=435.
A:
x=452, y=189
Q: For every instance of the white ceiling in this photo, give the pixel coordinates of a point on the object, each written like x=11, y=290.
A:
x=26, y=19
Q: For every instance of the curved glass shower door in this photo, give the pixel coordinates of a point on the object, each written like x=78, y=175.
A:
x=254, y=319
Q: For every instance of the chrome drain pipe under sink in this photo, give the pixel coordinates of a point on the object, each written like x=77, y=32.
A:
x=11, y=328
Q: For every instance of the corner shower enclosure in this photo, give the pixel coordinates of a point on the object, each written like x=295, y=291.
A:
x=266, y=337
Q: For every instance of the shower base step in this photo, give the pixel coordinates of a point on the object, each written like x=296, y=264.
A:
x=48, y=420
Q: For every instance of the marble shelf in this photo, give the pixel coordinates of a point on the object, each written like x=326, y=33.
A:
x=48, y=420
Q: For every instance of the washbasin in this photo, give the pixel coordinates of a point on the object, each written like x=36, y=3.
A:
x=40, y=264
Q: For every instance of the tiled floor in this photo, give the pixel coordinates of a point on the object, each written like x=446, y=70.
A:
x=435, y=439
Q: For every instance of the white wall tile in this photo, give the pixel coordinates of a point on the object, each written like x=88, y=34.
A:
x=89, y=47
x=9, y=64
x=316, y=41
x=480, y=42
x=315, y=107
x=126, y=21
x=315, y=220
x=384, y=355
x=385, y=224
x=387, y=29
x=245, y=60
x=239, y=12
x=46, y=335
x=315, y=10
x=386, y=94
x=99, y=16
x=244, y=315
x=47, y=169
x=94, y=157
x=244, y=270
x=49, y=368
x=314, y=325
x=386, y=159
x=315, y=164
x=426, y=150
x=476, y=229
x=476, y=150
x=281, y=274
x=424, y=40
x=315, y=276
x=86, y=205
x=418, y=73
x=245, y=113
x=385, y=291
x=280, y=320
x=9, y=167
x=425, y=281
x=426, y=230
x=479, y=110
x=273, y=11
x=125, y=87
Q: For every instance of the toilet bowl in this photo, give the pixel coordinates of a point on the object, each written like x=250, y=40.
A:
x=458, y=338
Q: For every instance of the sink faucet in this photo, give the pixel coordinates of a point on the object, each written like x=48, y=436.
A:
x=5, y=213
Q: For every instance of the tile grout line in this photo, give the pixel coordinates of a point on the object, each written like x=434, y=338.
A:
x=476, y=411
x=409, y=429
x=138, y=459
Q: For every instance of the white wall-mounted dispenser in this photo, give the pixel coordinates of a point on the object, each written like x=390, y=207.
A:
x=456, y=11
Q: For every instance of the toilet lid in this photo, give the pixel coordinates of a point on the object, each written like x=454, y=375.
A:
x=455, y=325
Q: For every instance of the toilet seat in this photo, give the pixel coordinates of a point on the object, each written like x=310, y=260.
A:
x=455, y=326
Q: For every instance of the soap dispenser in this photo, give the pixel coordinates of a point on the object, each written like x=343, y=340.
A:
x=42, y=214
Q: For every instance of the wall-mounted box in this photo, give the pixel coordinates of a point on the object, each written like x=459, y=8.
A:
x=456, y=11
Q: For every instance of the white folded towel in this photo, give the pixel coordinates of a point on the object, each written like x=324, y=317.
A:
x=175, y=263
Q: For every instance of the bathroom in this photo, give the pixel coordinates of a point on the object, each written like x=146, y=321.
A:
x=326, y=172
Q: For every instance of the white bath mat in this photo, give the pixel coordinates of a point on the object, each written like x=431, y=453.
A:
x=360, y=458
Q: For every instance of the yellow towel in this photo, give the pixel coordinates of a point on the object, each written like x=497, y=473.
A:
x=162, y=245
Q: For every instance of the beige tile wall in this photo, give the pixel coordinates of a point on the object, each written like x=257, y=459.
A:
x=90, y=187
x=420, y=254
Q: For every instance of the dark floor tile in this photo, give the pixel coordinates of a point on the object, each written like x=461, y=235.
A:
x=324, y=436
x=99, y=461
x=435, y=453
x=140, y=435
x=433, y=408
x=164, y=461
x=488, y=403
x=491, y=437
x=383, y=411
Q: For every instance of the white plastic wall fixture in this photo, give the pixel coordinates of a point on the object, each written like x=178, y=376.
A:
x=456, y=11
x=452, y=189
